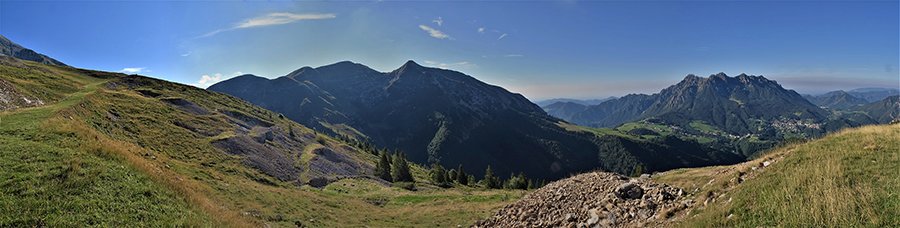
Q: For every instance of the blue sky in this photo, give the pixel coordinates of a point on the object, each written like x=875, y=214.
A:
x=542, y=49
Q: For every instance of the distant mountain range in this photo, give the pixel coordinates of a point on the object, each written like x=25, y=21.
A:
x=728, y=102
x=442, y=115
x=743, y=114
x=841, y=100
x=564, y=110
x=8, y=48
x=577, y=101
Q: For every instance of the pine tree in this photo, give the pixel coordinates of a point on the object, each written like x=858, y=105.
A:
x=438, y=174
x=447, y=180
x=400, y=171
x=638, y=171
x=452, y=175
x=490, y=181
x=383, y=168
x=517, y=182
x=461, y=177
x=388, y=152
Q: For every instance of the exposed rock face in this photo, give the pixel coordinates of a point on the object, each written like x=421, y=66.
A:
x=329, y=162
x=267, y=159
x=187, y=106
x=596, y=199
x=11, y=98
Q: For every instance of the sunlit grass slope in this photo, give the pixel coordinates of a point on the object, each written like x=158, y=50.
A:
x=107, y=151
x=847, y=179
x=54, y=174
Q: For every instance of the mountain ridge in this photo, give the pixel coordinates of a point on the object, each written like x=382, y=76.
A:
x=9, y=48
x=710, y=99
x=438, y=115
x=439, y=110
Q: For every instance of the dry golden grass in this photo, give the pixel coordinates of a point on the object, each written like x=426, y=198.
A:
x=846, y=179
x=198, y=194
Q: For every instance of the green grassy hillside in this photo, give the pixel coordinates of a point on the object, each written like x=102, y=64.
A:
x=847, y=179
x=115, y=150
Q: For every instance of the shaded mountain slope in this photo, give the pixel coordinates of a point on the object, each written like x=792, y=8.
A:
x=437, y=115
x=431, y=114
x=8, y=48
x=732, y=102
x=883, y=111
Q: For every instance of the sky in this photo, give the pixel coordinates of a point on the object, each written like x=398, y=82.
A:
x=541, y=49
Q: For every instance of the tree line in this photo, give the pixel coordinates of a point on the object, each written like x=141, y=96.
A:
x=394, y=167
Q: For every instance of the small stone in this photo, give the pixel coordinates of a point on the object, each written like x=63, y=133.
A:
x=766, y=163
x=754, y=168
x=687, y=201
x=594, y=217
x=570, y=216
x=645, y=176
x=625, y=187
x=636, y=193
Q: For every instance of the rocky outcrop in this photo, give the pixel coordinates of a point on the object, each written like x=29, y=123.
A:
x=11, y=98
x=597, y=199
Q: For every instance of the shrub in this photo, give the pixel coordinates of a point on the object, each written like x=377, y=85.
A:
x=406, y=185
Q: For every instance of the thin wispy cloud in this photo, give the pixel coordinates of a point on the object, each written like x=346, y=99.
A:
x=435, y=33
x=481, y=30
x=512, y=55
x=445, y=65
x=501, y=36
x=439, y=21
x=135, y=70
x=272, y=19
x=189, y=53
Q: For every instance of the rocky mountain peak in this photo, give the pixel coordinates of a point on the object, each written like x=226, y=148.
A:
x=720, y=75
x=409, y=67
x=301, y=70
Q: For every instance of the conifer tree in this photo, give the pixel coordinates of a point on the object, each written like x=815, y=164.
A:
x=451, y=176
x=400, y=171
x=438, y=174
x=461, y=176
x=383, y=168
x=490, y=181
